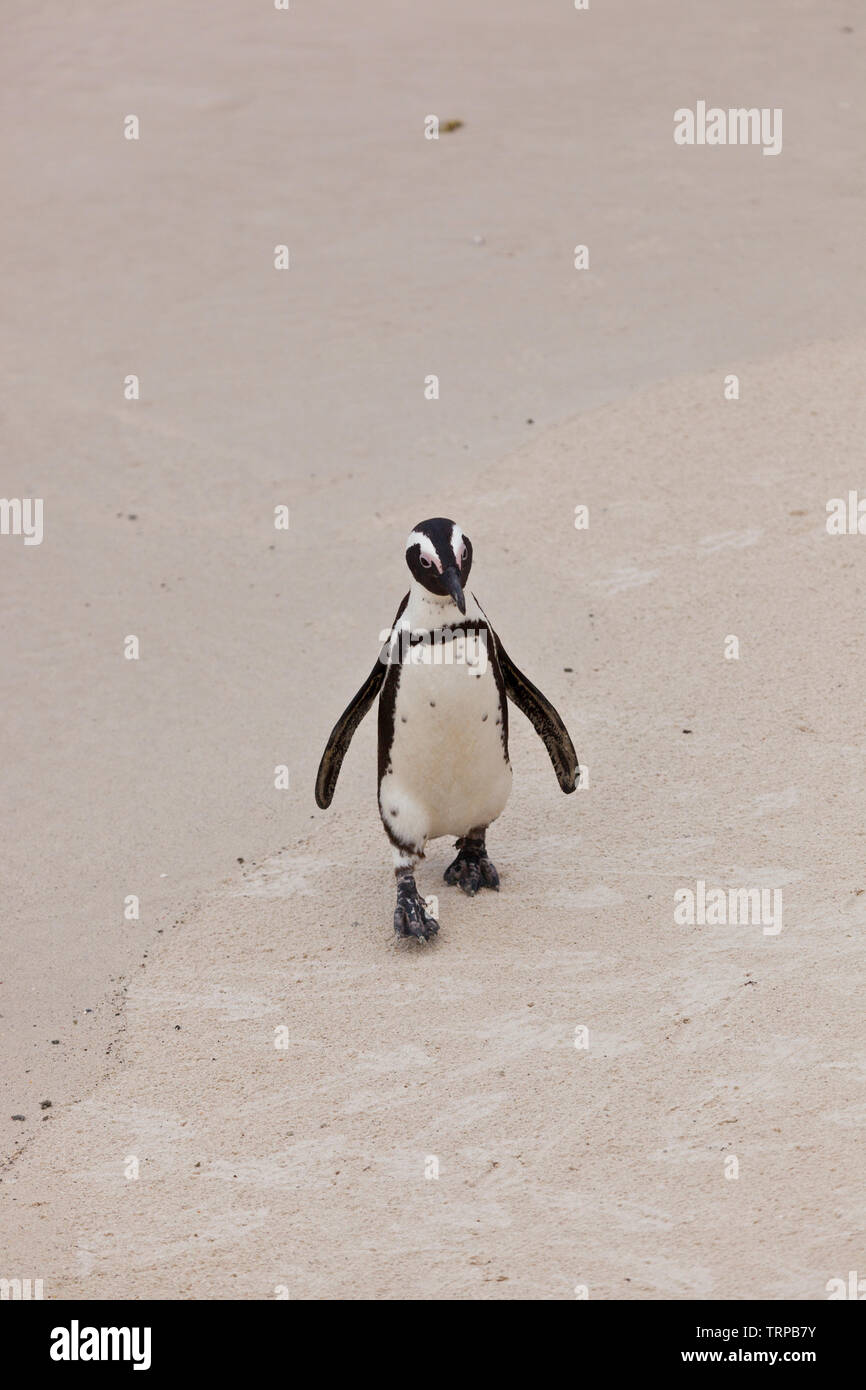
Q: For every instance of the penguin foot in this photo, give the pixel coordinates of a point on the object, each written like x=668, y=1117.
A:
x=411, y=917
x=472, y=869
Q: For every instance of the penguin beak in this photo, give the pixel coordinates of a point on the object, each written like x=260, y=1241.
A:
x=451, y=580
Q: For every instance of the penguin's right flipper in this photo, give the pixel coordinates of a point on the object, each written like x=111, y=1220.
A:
x=344, y=729
x=543, y=718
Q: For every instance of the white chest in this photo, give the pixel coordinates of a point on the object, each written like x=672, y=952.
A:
x=448, y=768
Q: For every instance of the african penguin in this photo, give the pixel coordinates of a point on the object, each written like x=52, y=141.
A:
x=443, y=679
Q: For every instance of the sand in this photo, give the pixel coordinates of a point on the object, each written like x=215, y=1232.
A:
x=304, y=1167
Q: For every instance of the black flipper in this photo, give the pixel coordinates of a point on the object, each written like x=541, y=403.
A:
x=342, y=732
x=544, y=719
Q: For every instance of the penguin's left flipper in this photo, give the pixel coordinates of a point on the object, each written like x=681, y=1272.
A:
x=344, y=729
x=341, y=736
x=543, y=718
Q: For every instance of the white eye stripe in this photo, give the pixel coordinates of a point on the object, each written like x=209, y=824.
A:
x=457, y=542
x=428, y=549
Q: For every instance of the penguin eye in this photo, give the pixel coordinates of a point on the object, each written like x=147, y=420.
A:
x=463, y=555
x=428, y=564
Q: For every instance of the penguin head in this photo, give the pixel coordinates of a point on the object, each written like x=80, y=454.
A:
x=440, y=558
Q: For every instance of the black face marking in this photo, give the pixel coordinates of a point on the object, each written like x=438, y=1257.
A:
x=439, y=531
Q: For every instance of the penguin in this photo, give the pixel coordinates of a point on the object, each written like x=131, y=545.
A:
x=444, y=680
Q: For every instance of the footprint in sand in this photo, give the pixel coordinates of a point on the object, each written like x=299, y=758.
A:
x=626, y=577
x=729, y=540
x=283, y=878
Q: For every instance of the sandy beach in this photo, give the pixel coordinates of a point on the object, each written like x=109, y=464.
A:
x=169, y=1148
